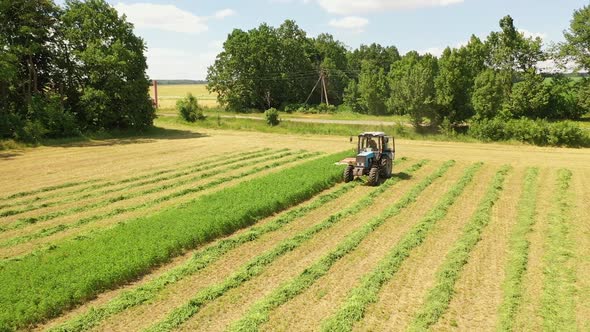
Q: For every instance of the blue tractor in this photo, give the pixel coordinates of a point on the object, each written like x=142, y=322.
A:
x=375, y=155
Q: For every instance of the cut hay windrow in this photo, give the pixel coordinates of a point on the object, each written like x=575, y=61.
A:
x=559, y=276
x=151, y=179
x=259, y=313
x=101, y=183
x=23, y=222
x=42, y=286
x=439, y=296
x=257, y=265
x=353, y=308
x=84, y=221
x=518, y=252
x=196, y=263
x=46, y=189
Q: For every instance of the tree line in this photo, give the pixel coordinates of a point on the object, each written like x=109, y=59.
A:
x=497, y=77
x=64, y=70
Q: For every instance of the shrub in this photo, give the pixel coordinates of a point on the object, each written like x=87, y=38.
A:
x=538, y=132
x=272, y=116
x=189, y=109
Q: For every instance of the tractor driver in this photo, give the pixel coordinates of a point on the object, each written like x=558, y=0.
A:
x=371, y=144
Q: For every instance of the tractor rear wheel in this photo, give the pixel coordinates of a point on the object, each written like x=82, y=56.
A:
x=373, y=176
x=386, y=167
x=348, y=173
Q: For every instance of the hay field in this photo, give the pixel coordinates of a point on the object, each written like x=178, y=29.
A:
x=169, y=94
x=470, y=237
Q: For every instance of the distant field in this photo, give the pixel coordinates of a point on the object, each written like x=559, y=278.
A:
x=169, y=94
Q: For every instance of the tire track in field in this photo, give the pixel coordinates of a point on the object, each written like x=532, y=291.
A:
x=306, y=311
x=244, y=242
x=528, y=316
x=478, y=291
x=322, y=235
x=404, y=294
x=97, y=222
x=582, y=244
x=154, y=176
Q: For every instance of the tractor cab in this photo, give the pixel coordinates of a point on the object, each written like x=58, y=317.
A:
x=375, y=155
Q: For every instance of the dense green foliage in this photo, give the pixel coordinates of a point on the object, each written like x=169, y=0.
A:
x=41, y=286
x=539, y=132
x=483, y=79
x=272, y=116
x=189, y=109
x=68, y=69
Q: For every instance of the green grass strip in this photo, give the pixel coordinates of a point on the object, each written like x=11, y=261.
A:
x=439, y=297
x=353, y=308
x=518, y=252
x=256, y=266
x=63, y=227
x=42, y=286
x=557, y=299
x=260, y=311
x=20, y=223
x=197, y=262
x=151, y=178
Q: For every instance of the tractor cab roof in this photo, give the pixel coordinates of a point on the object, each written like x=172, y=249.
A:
x=373, y=134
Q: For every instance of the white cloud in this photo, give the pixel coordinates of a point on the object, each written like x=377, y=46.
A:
x=436, y=51
x=162, y=17
x=529, y=34
x=221, y=14
x=345, y=7
x=168, y=17
x=168, y=63
x=350, y=22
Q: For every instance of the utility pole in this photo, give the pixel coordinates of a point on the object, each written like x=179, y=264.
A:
x=155, y=93
x=323, y=89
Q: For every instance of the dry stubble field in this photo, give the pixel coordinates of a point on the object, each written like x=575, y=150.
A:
x=472, y=237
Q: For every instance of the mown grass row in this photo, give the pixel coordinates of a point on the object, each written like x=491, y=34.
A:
x=22, y=222
x=257, y=265
x=94, y=185
x=40, y=287
x=557, y=299
x=151, y=179
x=45, y=189
x=259, y=313
x=367, y=292
x=439, y=296
x=87, y=220
x=518, y=252
x=196, y=263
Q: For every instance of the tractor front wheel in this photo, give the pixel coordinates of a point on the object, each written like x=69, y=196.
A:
x=373, y=176
x=348, y=173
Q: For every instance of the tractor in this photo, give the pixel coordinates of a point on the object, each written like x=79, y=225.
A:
x=375, y=155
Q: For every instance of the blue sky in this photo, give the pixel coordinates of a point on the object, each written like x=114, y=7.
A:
x=183, y=37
